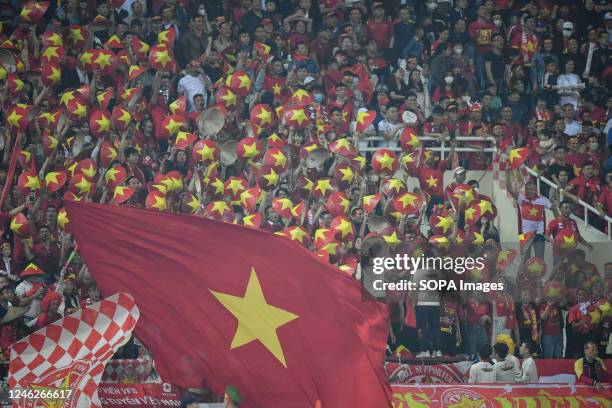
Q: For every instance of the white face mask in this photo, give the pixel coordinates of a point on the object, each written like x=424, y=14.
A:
x=449, y=80
x=458, y=50
x=567, y=33
x=594, y=146
x=202, y=10
x=497, y=23
x=432, y=6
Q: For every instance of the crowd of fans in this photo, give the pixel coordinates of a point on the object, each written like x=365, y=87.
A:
x=304, y=118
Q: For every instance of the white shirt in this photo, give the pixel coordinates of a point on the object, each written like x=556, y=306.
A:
x=482, y=372
x=572, y=128
x=515, y=362
x=191, y=86
x=504, y=372
x=23, y=288
x=529, y=372
x=566, y=80
x=387, y=128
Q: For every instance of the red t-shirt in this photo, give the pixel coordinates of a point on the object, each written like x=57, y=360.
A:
x=432, y=179
x=605, y=198
x=551, y=326
x=558, y=224
x=587, y=190
x=475, y=310
x=482, y=33
x=379, y=31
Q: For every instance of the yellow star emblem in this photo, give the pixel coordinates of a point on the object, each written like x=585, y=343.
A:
x=220, y=207
x=469, y=213
x=533, y=211
x=250, y=150
x=55, y=75
x=66, y=97
x=234, y=185
x=345, y=227
x=515, y=154
x=485, y=206
x=569, y=242
x=13, y=118
x=218, y=185
x=265, y=116
x=271, y=177
x=103, y=124
x=194, y=204
x=173, y=126
x=103, y=60
x=51, y=177
x=323, y=185
x=276, y=89
x=86, y=57
x=229, y=98
x=445, y=223
x=162, y=57
x=111, y=174
x=50, y=53
x=300, y=94
x=279, y=158
x=386, y=161
x=299, y=116
x=297, y=234
x=408, y=199
x=478, y=238
x=432, y=181
x=392, y=240
x=257, y=319
x=245, y=81
x=80, y=110
x=83, y=186
x=467, y=403
x=76, y=35
x=347, y=174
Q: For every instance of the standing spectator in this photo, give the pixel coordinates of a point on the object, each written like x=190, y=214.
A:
x=529, y=371
x=194, y=83
x=379, y=28
x=482, y=371
x=569, y=85
x=482, y=31
x=504, y=370
x=428, y=314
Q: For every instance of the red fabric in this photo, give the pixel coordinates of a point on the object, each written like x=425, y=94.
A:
x=437, y=174
x=557, y=224
x=475, y=310
x=551, y=326
x=189, y=330
x=379, y=31
x=482, y=33
x=605, y=199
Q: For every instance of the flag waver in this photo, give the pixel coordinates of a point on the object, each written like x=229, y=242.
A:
x=71, y=353
x=517, y=157
x=364, y=120
x=266, y=304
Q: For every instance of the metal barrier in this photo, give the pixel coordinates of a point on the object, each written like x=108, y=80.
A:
x=586, y=206
x=443, y=148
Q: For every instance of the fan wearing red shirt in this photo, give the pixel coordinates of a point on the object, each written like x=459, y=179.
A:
x=604, y=202
x=379, y=28
x=482, y=31
x=564, y=221
x=525, y=41
x=586, y=186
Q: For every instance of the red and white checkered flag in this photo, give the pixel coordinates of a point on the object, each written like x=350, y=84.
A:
x=69, y=356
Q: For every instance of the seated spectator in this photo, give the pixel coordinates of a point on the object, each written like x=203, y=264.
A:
x=482, y=372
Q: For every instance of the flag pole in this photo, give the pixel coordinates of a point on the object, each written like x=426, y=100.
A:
x=60, y=283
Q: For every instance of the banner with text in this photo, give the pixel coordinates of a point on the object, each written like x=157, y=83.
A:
x=499, y=396
x=138, y=395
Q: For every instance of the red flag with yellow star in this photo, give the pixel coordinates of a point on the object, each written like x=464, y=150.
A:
x=516, y=157
x=276, y=313
x=161, y=58
x=33, y=11
x=364, y=119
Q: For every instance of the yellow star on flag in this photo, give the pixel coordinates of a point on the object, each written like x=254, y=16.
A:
x=285, y=203
x=257, y=319
x=533, y=211
x=395, y=185
x=392, y=240
x=361, y=116
x=330, y=248
x=485, y=206
x=478, y=238
x=300, y=94
x=55, y=75
x=234, y=185
x=276, y=89
x=229, y=98
x=83, y=186
x=162, y=57
x=407, y=199
x=265, y=116
x=110, y=174
x=299, y=116
x=271, y=177
x=160, y=202
x=80, y=110
x=32, y=182
x=297, y=234
x=514, y=155
x=55, y=39
x=89, y=171
x=347, y=174
x=535, y=267
x=432, y=181
x=220, y=206
x=119, y=191
x=50, y=52
x=103, y=124
x=86, y=57
x=194, y=204
x=345, y=227
x=103, y=60
x=13, y=118
x=51, y=177
x=75, y=34
x=218, y=185
x=245, y=81
x=66, y=97
x=173, y=126
x=323, y=185
x=250, y=150
x=469, y=213
x=569, y=242
x=386, y=161
x=445, y=223
x=279, y=158
x=125, y=116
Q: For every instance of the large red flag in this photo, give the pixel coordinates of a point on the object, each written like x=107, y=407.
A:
x=224, y=304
